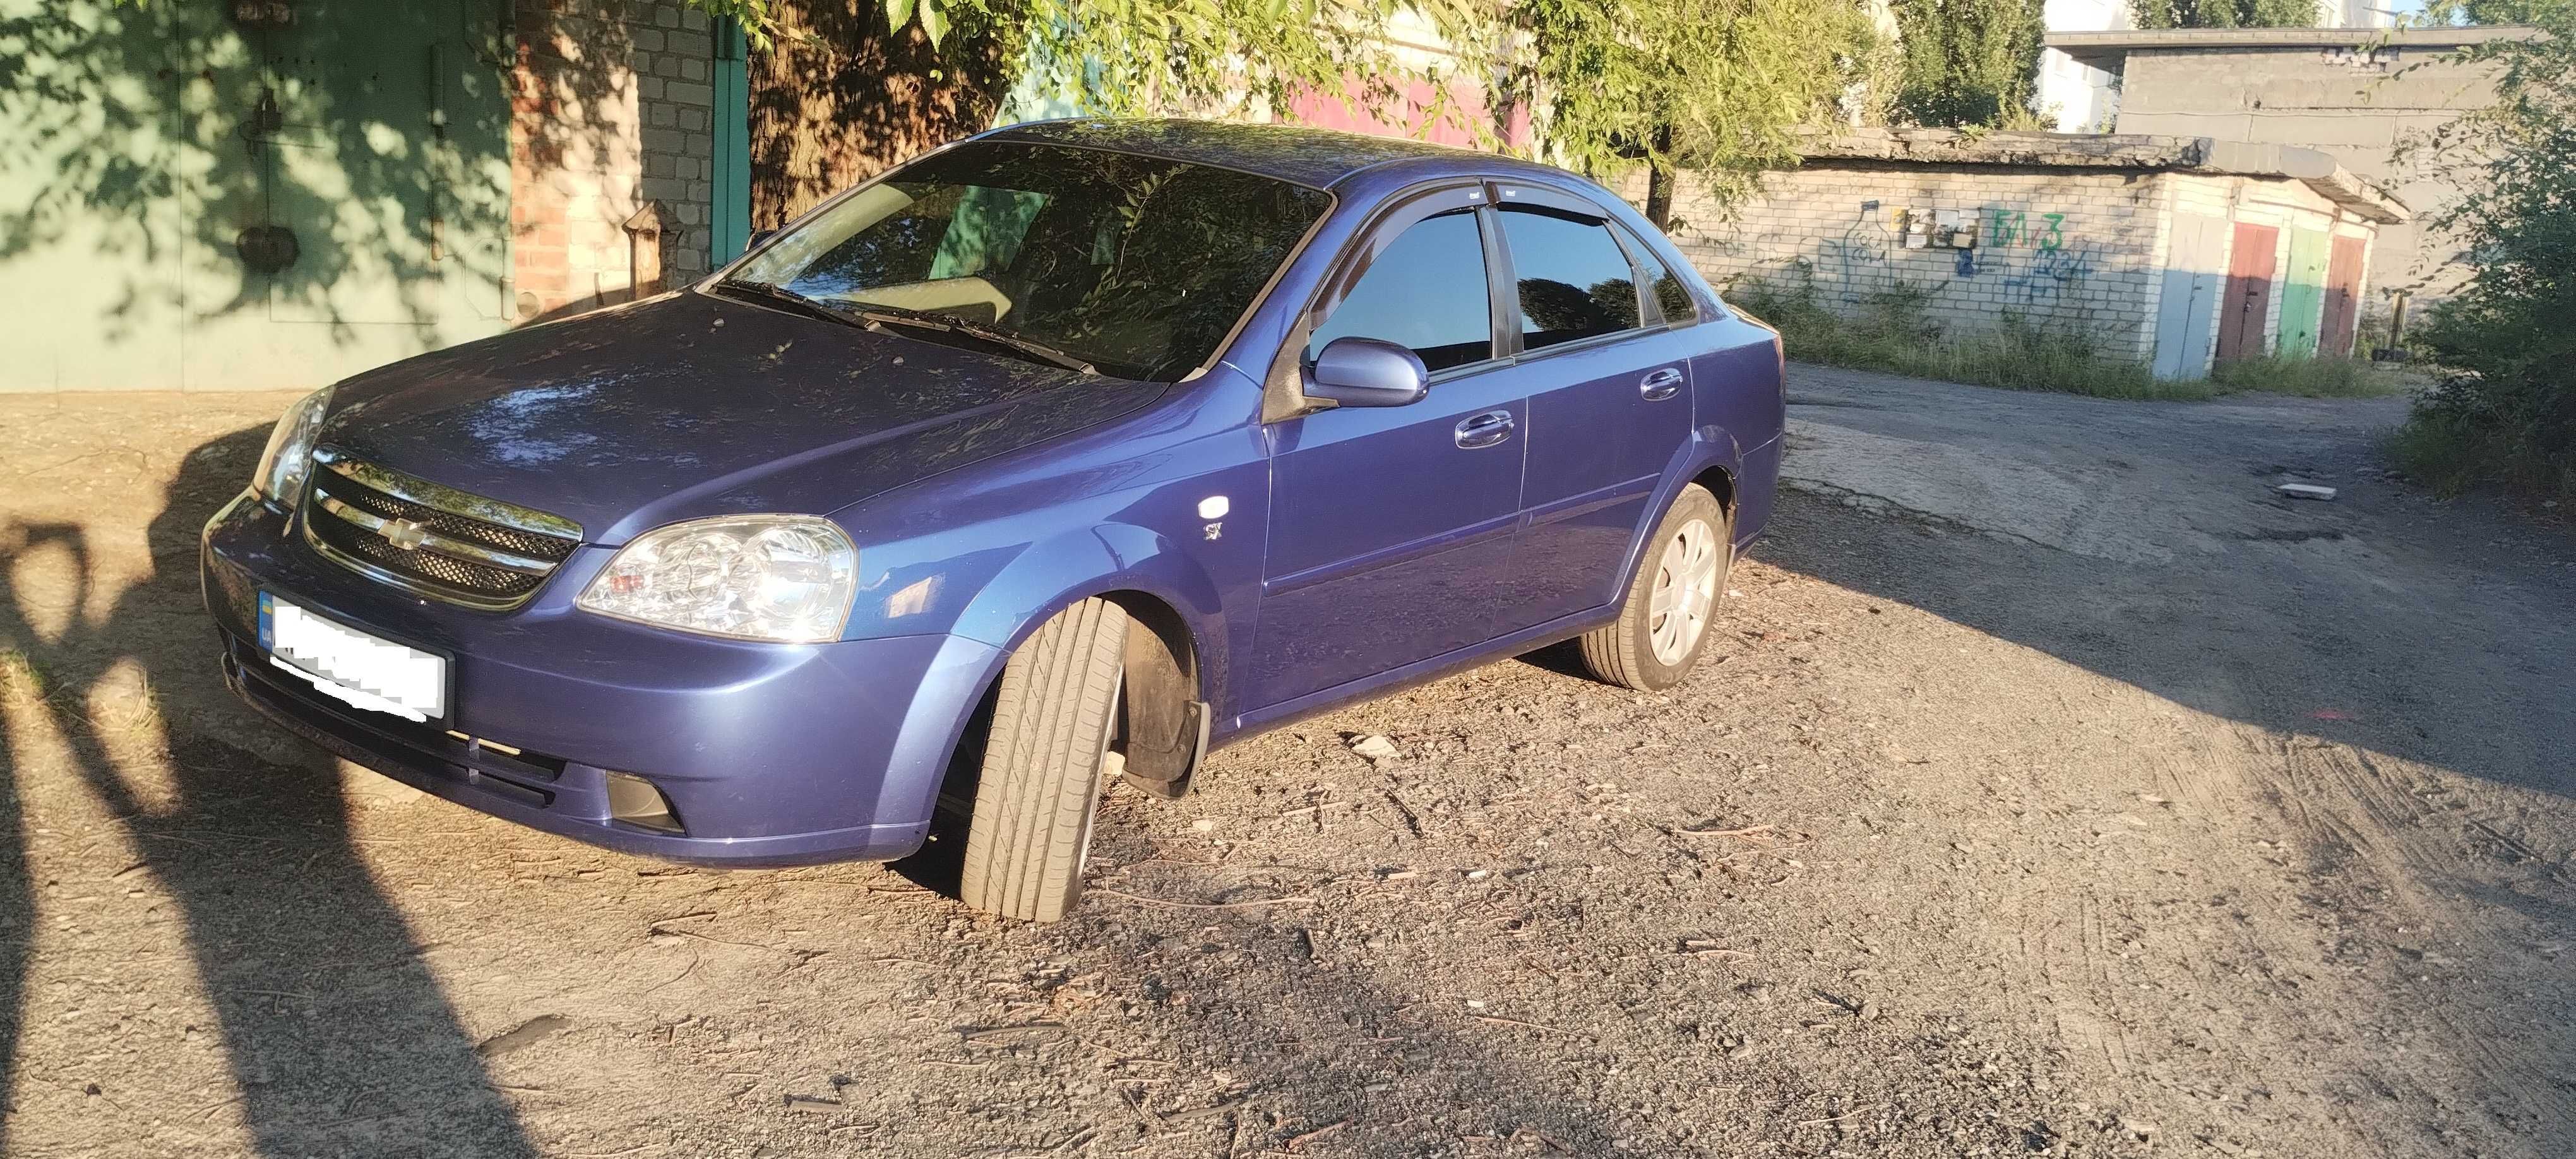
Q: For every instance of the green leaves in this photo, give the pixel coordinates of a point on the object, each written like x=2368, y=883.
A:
x=1969, y=62
x=1718, y=88
x=1714, y=86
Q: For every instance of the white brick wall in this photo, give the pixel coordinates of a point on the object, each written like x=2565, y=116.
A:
x=2076, y=249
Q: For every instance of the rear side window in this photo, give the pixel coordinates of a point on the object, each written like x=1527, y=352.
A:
x=1671, y=296
x=1575, y=282
x=1426, y=292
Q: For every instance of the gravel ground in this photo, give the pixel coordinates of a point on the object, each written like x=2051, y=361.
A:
x=2055, y=789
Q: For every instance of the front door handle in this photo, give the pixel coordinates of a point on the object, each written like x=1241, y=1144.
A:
x=1662, y=384
x=1485, y=430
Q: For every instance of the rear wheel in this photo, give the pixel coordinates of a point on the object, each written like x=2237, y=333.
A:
x=1042, y=776
x=1663, y=626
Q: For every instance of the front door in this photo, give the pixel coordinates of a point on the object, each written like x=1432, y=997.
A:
x=1391, y=527
x=1609, y=398
x=2249, y=291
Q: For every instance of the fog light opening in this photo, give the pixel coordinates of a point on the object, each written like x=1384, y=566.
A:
x=634, y=800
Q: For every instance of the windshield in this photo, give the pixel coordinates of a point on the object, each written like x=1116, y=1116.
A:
x=1137, y=265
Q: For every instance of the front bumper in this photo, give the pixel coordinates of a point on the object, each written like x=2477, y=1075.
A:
x=768, y=754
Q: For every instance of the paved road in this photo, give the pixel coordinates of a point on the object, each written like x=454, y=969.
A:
x=2144, y=541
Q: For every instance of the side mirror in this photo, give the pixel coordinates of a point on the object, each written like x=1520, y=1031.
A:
x=1367, y=372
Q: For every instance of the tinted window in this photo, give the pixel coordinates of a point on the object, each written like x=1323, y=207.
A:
x=1574, y=281
x=1139, y=265
x=1425, y=292
x=1670, y=295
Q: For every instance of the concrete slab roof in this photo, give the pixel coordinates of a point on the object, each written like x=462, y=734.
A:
x=2104, y=49
x=2120, y=151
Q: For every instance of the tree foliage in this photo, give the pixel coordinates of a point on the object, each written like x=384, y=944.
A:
x=1969, y=62
x=1716, y=87
x=2509, y=415
x=2224, y=13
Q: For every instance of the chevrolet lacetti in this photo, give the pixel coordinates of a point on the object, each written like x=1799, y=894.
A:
x=1054, y=458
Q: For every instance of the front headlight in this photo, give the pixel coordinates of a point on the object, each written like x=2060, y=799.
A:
x=784, y=578
x=288, y=459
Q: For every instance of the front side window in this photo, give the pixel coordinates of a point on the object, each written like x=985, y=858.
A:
x=1575, y=282
x=1138, y=265
x=1426, y=292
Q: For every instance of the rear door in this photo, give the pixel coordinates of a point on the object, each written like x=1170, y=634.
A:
x=1607, y=375
x=1391, y=527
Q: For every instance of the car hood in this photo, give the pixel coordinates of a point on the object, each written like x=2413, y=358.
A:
x=690, y=405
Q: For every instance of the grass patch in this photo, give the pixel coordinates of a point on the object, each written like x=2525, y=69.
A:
x=2320, y=377
x=2456, y=441
x=1893, y=331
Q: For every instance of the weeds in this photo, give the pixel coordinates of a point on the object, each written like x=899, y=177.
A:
x=2460, y=438
x=20, y=675
x=1893, y=331
x=2307, y=377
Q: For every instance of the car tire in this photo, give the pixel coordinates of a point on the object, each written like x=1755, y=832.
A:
x=1042, y=777
x=1683, y=573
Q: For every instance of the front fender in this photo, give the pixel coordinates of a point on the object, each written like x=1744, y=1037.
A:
x=1055, y=573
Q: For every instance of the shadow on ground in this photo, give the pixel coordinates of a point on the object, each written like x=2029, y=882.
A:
x=337, y=1037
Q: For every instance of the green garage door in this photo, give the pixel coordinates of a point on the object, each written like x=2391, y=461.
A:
x=2303, y=300
x=219, y=196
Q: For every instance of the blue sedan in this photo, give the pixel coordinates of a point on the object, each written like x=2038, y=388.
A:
x=1061, y=455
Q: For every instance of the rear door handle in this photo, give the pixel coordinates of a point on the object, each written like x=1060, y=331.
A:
x=1662, y=384
x=1485, y=430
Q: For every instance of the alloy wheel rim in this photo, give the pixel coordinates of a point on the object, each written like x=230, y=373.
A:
x=1685, y=589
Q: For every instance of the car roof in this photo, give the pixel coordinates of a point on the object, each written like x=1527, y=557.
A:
x=1320, y=158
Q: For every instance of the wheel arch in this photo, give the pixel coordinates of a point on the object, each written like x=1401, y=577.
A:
x=1174, y=653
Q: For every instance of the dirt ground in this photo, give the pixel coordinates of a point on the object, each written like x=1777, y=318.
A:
x=2055, y=789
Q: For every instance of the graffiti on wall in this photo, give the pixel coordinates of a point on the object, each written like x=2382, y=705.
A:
x=2039, y=262
x=2047, y=277
x=2009, y=228
x=1858, y=259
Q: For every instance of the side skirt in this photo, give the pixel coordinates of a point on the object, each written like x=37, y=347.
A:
x=1419, y=672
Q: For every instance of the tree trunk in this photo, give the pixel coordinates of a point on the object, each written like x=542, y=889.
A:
x=1659, y=197
x=1659, y=180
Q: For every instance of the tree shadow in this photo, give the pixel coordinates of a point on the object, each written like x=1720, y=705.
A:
x=209, y=187
x=2142, y=541
x=338, y=1039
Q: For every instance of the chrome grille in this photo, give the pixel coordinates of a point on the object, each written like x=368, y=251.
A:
x=430, y=538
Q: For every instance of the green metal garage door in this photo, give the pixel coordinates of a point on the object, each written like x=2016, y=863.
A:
x=249, y=196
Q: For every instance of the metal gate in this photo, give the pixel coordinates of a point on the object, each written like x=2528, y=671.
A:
x=2343, y=298
x=2303, y=299
x=2249, y=291
x=252, y=195
x=2187, y=305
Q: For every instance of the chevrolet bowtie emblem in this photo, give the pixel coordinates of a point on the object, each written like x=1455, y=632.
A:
x=404, y=533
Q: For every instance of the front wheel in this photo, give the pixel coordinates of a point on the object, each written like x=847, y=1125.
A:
x=1042, y=777
x=1663, y=624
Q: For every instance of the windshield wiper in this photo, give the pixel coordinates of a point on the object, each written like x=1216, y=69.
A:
x=790, y=299
x=925, y=320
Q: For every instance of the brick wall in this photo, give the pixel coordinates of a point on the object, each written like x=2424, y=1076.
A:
x=2084, y=250
x=612, y=110
x=2073, y=248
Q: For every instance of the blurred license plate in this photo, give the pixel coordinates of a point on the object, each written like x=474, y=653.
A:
x=343, y=662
